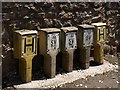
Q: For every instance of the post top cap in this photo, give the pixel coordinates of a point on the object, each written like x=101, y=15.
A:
x=50, y=30
x=65, y=29
x=26, y=31
x=86, y=26
x=99, y=24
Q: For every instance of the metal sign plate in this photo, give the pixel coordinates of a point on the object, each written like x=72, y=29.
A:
x=53, y=41
x=28, y=49
x=29, y=44
x=71, y=40
x=29, y=40
x=88, y=37
x=101, y=33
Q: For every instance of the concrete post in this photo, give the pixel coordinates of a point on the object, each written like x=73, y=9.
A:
x=85, y=41
x=49, y=41
x=68, y=46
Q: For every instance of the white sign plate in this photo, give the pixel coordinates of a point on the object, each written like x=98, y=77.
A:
x=71, y=40
x=53, y=41
x=88, y=37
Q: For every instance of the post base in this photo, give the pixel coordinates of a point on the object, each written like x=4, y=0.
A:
x=68, y=60
x=25, y=68
x=84, y=65
x=99, y=53
x=50, y=64
x=84, y=57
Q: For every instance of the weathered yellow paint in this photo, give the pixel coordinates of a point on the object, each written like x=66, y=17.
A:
x=99, y=53
x=25, y=68
x=99, y=29
x=29, y=49
x=105, y=33
x=29, y=40
x=23, y=51
x=19, y=45
x=99, y=39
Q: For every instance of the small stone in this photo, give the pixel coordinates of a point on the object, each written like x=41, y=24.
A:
x=81, y=84
x=60, y=86
x=77, y=85
x=113, y=77
x=48, y=86
x=115, y=70
x=85, y=86
x=112, y=55
x=92, y=75
x=100, y=81
x=117, y=81
x=86, y=79
x=8, y=87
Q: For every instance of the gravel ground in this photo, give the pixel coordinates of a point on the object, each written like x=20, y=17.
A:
x=107, y=79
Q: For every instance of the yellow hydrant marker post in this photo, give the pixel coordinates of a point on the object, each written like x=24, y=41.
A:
x=99, y=40
x=25, y=48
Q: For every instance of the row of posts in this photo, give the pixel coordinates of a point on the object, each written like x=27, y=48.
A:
x=52, y=41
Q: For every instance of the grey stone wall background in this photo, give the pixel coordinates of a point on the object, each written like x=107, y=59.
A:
x=53, y=14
